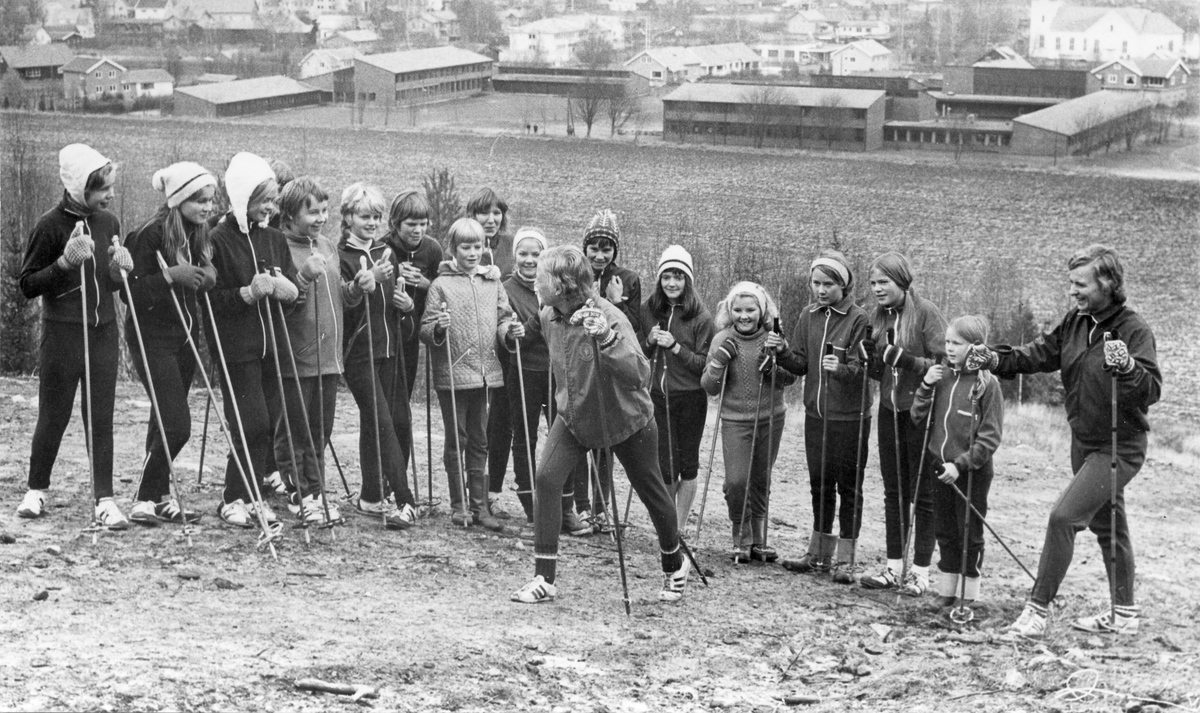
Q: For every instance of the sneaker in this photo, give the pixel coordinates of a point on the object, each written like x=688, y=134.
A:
x=575, y=526
x=916, y=583
x=314, y=509
x=110, y=516
x=235, y=513
x=601, y=523
x=273, y=483
x=886, y=579
x=763, y=553
x=497, y=511
x=808, y=563
x=1126, y=621
x=535, y=592
x=1031, y=623
x=170, y=511
x=144, y=512
x=33, y=504
x=267, y=513
x=675, y=582
x=843, y=573
x=394, y=518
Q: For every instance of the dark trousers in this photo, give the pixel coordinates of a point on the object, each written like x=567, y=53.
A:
x=951, y=511
x=308, y=477
x=468, y=434
x=499, y=432
x=172, y=368
x=1085, y=504
x=842, y=479
x=748, y=462
x=392, y=453
x=412, y=358
x=638, y=456
x=256, y=395
x=62, y=370
x=899, y=471
x=679, y=433
x=536, y=402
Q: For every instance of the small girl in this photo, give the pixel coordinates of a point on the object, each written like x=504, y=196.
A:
x=967, y=419
x=315, y=329
x=63, y=243
x=179, y=233
x=491, y=211
x=833, y=413
x=418, y=256
x=390, y=308
x=241, y=240
x=677, y=329
x=738, y=357
x=468, y=316
x=920, y=334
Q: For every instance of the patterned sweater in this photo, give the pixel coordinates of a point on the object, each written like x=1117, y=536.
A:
x=743, y=378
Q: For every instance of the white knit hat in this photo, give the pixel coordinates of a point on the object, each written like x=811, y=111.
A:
x=181, y=181
x=76, y=162
x=527, y=233
x=675, y=257
x=246, y=172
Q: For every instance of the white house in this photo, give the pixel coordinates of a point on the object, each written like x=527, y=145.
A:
x=323, y=61
x=151, y=10
x=670, y=65
x=862, y=57
x=138, y=83
x=1099, y=34
x=552, y=40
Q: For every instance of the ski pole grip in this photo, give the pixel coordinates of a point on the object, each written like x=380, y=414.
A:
x=262, y=267
x=162, y=262
x=870, y=331
x=775, y=325
x=828, y=348
x=891, y=336
x=387, y=256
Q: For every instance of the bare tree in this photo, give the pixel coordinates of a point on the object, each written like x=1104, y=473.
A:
x=762, y=108
x=960, y=132
x=831, y=112
x=621, y=106
x=586, y=104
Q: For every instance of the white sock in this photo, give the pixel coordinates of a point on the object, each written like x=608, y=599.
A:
x=920, y=571
x=897, y=566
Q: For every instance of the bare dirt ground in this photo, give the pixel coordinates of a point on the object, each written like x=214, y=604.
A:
x=141, y=622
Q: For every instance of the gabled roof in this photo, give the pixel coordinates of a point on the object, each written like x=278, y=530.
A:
x=138, y=76
x=1003, y=56
x=713, y=55
x=23, y=56
x=565, y=23
x=673, y=59
x=151, y=4
x=871, y=48
x=793, y=96
x=1146, y=66
x=1079, y=19
x=335, y=55
x=359, y=35
x=1076, y=115
x=247, y=89
x=418, y=60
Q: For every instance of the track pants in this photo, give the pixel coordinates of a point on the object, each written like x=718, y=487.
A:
x=500, y=433
x=172, y=368
x=62, y=372
x=256, y=395
x=899, y=471
x=1085, y=504
x=392, y=452
x=842, y=479
x=471, y=408
x=307, y=479
x=679, y=435
x=950, y=512
x=747, y=457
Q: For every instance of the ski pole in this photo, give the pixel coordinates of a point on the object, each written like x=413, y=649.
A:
x=428, y=427
x=458, y=454
x=362, y=262
x=1112, y=496
x=749, y=468
x=203, y=436
x=162, y=432
x=898, y=462
x=860, y=465
x=400, y=376
x=765, y=553
x=287, y=421
x=525, y=422
x=823, y=409
x=600, y=385
x=95, y=527
x=712, y=452
x=321, y=401
x=999, y=539
x=912, y=507
x=961, y=613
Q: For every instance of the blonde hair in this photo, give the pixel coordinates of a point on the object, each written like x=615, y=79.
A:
x=569, y=272
x=464, y=230
x=766, y=305
x=360, y=197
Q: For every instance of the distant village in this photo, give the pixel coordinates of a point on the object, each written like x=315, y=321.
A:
x=1043, y=78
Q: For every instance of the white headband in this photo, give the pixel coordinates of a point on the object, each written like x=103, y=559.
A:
x=834, y=265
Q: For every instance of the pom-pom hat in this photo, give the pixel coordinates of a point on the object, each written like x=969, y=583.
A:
x=675, y=257
x=603, y=225
x=181, y=181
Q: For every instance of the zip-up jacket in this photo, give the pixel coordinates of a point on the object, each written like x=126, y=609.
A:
x=624, y=369
x=682, y=371
x=742, y=378
x=499, y=252
x=967, y=420
x=322, y=309
x=932, y=328
x=479, y=317
x=152, y=293
x=59, y=289
x=844, y=325
x=243, y=327
x=356, y=343
x=631, y=307
x=426, y=257
x=535, y=355
x=1076, y=348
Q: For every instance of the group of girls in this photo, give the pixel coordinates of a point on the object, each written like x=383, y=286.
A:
x=286, y=312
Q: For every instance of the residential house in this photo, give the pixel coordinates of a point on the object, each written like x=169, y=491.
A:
x=1167, y=78
x=806, y=23
x=552, y=41
x=862, y=56
x=151, y=10
x=322, y=61
x=725, y=59
x=147, y=83
x=244, y=97
x=363, y=41
x=419, y=76
x=91, y=77
x=512, y=17
x=849, y=30
x=31, y=72
x=782, y=52
x=1058, y=31
x=671, y=65
x=70, y=35
x=442, y=25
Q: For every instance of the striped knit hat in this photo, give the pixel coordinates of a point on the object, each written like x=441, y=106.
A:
x=675, y=257
x=603, y=225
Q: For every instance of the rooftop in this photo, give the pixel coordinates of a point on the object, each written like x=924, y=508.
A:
x=1078, y=19
x=140, y=76
x=247, y=89
x=1147, y=66
x=994, y=99
x=794, y=96
x=22, y=56
x=418, y=60
x=869, y=47
x=1074, y=116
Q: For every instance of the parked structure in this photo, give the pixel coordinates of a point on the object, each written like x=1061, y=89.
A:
x=1058, y=31
x=772, y=115
x=672, y=65
x=552, y=41
x=420, y=76
x=244, y=97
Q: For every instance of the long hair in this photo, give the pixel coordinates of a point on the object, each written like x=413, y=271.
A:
x=974, y=329
x=724, y=316
x=178, y=236
x=896, y=268
x=482, y=201
x=1107, y=268
x=660, y=305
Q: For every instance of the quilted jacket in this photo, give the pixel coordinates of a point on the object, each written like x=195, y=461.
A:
x=479, y=317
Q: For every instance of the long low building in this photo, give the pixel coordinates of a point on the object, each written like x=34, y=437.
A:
x=420, y=76
x=773, y=115
x=243, y=97
x=1081, y=125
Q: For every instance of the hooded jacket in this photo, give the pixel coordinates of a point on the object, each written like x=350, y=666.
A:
x=844, y=325
x=967, y=420
x=41, y=276
x=323, y=308
x=152, y=293
x=385, y=325
x=500, y=254
x=479, y=317
x=677, y=372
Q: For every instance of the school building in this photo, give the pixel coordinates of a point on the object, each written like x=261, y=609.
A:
x=420, y=76
x=244, y=97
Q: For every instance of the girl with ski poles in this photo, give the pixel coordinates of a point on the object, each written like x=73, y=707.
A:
x=603, y=399
x=1106, y=354
x=909, y=336
x=468, y=317
x=824, y=349
x=967, y=419
x=418, y=256
x=676, y=332
x=179, y=231
x=375, y=327
x=70, y=263
x=742, y=353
